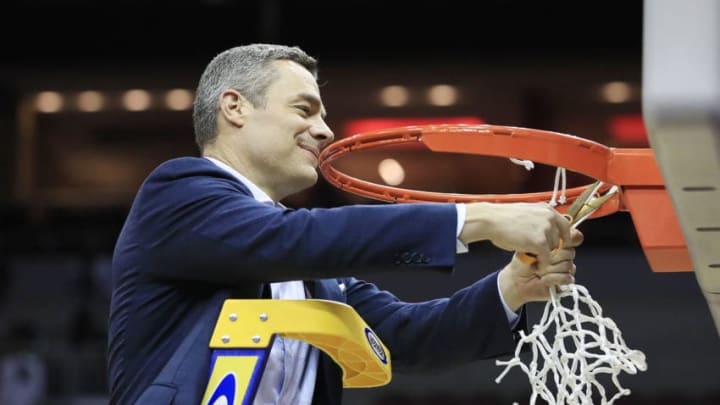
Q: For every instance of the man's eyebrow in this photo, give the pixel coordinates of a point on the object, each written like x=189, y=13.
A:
x=314, y=100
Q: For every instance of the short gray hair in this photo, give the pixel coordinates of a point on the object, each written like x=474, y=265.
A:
x=247, y=69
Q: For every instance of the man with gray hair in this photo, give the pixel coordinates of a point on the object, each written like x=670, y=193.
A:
x=205, y=229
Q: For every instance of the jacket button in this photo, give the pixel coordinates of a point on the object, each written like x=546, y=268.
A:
x=407, y=257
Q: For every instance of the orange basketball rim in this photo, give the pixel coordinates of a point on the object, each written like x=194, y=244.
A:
x=633, y=170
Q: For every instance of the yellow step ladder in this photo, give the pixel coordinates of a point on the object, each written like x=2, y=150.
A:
x=245, y=331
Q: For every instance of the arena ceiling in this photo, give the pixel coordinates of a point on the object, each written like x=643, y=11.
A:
x=143, y=32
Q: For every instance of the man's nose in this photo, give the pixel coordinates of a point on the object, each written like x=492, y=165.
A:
x=322, y=132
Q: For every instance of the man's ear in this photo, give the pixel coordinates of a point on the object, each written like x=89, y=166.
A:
x=234, y=107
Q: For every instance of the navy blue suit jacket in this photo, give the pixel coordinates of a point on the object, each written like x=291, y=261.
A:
x=195, y=236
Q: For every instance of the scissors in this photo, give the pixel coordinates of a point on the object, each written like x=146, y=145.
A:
x=585, y=205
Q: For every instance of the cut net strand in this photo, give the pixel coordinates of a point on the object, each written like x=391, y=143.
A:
x=560, y=181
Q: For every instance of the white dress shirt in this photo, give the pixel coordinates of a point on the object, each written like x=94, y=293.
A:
x=291, y=369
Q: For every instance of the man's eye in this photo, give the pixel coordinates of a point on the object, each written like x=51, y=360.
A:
x=305, y=109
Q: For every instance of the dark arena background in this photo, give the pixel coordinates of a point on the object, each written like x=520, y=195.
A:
x=94, y=95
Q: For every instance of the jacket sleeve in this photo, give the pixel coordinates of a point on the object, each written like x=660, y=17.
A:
x=209, y=228
x=469, y=325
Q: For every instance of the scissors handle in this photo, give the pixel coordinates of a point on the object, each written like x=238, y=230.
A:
x=586, y=204
x=531, y=258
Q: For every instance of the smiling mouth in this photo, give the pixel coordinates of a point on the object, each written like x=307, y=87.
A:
x=314, y=151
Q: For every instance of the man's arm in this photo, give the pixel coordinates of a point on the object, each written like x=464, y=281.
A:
x=469, y=325
x=533, y=228
x=529, y=228
x=204, y=228
x=190, y=216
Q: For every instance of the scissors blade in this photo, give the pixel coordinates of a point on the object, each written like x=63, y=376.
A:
x=582, y=199
x=594, y=204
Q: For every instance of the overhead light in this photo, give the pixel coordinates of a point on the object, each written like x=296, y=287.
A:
x=90, y=101
x=391, y=172
x=394, y=96
x=616, y=92
x=442, y=95
x=179, y=99
x=136, y=100
x=49, y=102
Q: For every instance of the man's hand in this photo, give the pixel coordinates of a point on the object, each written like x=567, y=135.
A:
x=521, y=283
x=534, y=228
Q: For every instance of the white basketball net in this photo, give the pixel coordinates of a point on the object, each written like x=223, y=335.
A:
x=565, y=366
x=573, y=347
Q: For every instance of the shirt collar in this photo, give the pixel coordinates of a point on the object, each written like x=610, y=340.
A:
x=257, y=193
